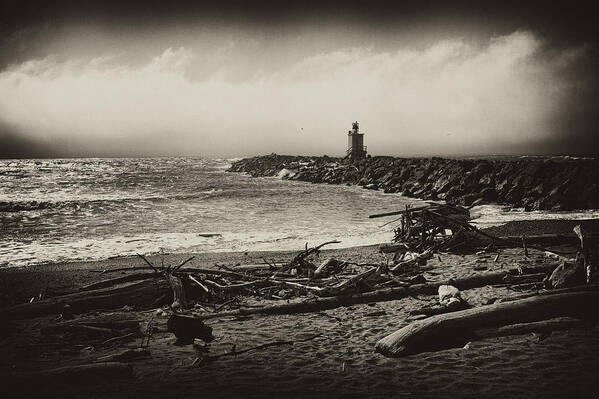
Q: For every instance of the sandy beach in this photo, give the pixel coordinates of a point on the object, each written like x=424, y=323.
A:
x=333, y=351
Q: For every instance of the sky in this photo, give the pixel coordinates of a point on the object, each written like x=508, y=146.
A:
x=232, y=79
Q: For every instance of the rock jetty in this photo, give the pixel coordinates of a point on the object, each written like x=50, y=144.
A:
x=529, y=183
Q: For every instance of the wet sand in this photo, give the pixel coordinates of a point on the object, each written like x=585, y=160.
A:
x=340, y=362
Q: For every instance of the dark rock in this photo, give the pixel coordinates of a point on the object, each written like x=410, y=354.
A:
x=489, y=194
x=187, y=328
x=470, y=199
x=529, y=183
x=567, y=275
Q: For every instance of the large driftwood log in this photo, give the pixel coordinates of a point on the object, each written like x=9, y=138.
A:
x=579, y=288
x=143, y=293
x=382, y=295
x=453, y=329
x=558, y=324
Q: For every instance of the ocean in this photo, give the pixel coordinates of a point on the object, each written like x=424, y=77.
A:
x=84, y=209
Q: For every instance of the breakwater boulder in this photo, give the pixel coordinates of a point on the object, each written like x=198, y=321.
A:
x=530, y=183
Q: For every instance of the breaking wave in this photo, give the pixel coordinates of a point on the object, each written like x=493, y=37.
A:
x=80, y=209
x=34, y=205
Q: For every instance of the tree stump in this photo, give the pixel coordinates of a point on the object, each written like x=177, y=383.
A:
x=589, y=251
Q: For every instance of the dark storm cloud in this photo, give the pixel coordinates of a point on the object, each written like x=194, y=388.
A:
x=234, y=78
x=563, y=22
x=572, y=17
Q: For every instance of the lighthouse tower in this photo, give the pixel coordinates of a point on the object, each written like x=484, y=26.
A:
x=355, y=143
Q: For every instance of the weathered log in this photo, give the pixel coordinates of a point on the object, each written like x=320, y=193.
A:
x=302, y=287
x=590, y=252
x=179, y=296
x=454, y=329
x=114, y=281
x=240, y=286
x=558, y=324
x=525, y=278
x=201, y=270
x=325, y=266
x=142, y=293
x=579, y=288
x=256, y=267
x=388, y=294
x=199, y=283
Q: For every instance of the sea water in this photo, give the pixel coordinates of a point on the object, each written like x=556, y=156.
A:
x=75, y=209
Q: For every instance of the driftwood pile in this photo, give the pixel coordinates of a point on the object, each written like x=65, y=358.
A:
x=570, y=303
x=444, y=227
x=424, y=230
x=212, y=290
x=305, y=284
x=434, y=225
x=297, y=286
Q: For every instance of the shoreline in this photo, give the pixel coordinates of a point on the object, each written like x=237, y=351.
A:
x=23, y=282
x=28, y=281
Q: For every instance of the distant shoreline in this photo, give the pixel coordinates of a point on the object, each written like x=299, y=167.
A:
x=531, y=183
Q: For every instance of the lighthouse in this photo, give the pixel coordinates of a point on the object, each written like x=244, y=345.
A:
x=355, y=143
